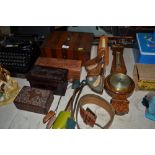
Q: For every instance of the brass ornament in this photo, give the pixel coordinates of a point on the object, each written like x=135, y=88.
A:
x=8, y=87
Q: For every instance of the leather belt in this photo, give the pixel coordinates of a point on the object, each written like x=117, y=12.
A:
x=97, y=100
x=88, y=116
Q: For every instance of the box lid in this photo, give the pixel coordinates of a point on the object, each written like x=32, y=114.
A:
x=73, y=65
x=47, y=74
x=34, y=96
x=145, y=43
x=69, y=40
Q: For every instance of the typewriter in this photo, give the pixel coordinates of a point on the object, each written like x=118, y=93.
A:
x=18, y=52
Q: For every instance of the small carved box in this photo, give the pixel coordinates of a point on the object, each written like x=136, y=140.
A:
x=50, y=78
x=34, y=100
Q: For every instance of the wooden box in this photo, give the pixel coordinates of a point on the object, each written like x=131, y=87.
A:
x=68, y=45
x=54, y=79
x=34, y=100
x=73, y=66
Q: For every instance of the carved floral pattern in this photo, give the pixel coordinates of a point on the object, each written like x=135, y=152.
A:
x=33, y=96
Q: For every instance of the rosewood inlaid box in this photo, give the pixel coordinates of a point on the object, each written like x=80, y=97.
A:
x=68, y=45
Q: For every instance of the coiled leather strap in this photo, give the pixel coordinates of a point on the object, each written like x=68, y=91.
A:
x=97, y=100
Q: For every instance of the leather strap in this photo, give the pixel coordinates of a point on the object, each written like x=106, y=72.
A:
x=97, y=100
x=78, y=90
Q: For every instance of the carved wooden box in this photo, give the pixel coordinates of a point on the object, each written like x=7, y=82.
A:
x=51, y=78
x=34, y=100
